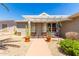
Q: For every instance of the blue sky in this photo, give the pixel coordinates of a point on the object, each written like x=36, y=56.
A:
x=19, y=9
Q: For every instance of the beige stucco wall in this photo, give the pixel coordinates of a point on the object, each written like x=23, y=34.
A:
x=21, y=27
x=71, y=26
x=10, y=25
x=23, y=31
x=32, y=27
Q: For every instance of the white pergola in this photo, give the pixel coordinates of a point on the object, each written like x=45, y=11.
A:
x=44, y=18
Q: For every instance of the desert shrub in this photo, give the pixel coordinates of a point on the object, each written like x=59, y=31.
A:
x=62, y=34
x=76, y=48
x=70, y=47
x=72, y=35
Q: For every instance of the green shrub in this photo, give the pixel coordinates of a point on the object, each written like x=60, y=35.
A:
x=70, y=47
x=76, y=48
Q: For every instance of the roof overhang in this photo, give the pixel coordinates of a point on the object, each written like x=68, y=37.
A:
x=74, y=16
x=21, y=21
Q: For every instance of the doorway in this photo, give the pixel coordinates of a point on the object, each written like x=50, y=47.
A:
x=38, y=29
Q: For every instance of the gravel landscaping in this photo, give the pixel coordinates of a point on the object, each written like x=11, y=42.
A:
x=16, y=51
x=54, y=47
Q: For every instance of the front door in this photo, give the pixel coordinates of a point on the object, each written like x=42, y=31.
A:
x=38, y=29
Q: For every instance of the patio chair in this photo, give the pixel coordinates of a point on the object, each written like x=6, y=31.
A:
x=18, y=33
x=33, y=34
x=44, y=34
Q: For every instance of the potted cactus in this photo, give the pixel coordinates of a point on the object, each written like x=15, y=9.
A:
x=48, y=37
x=27, y=37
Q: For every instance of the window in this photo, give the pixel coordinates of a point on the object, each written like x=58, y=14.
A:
x=4, y=26
x=21, y=25
x=54, y=27
x=49, y=27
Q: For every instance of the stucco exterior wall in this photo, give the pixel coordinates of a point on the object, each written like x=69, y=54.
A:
x=23, y=31
x=71, y=26
x=10, y=25
x=32, y=27
x=21, y=27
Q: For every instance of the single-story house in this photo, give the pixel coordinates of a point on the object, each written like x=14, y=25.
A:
x=41, y=25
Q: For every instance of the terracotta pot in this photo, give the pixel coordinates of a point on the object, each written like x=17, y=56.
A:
x=48, y=38
x=27, y=39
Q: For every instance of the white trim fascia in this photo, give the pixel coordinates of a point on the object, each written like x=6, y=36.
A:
x=37, y=16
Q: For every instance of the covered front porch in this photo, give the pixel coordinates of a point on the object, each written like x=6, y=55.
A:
x=37, y=29
x=42, y=29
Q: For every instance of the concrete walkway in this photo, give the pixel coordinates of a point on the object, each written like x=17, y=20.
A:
x=39, y=48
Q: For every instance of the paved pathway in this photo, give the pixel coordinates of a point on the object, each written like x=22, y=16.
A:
x=39, y=48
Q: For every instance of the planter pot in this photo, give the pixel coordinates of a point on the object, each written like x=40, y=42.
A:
x=48, y=38
x=27, y=39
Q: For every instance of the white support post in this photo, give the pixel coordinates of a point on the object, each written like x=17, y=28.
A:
x=51, y=28
x=56, y=27
x=45, y=27
x=29, y=28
